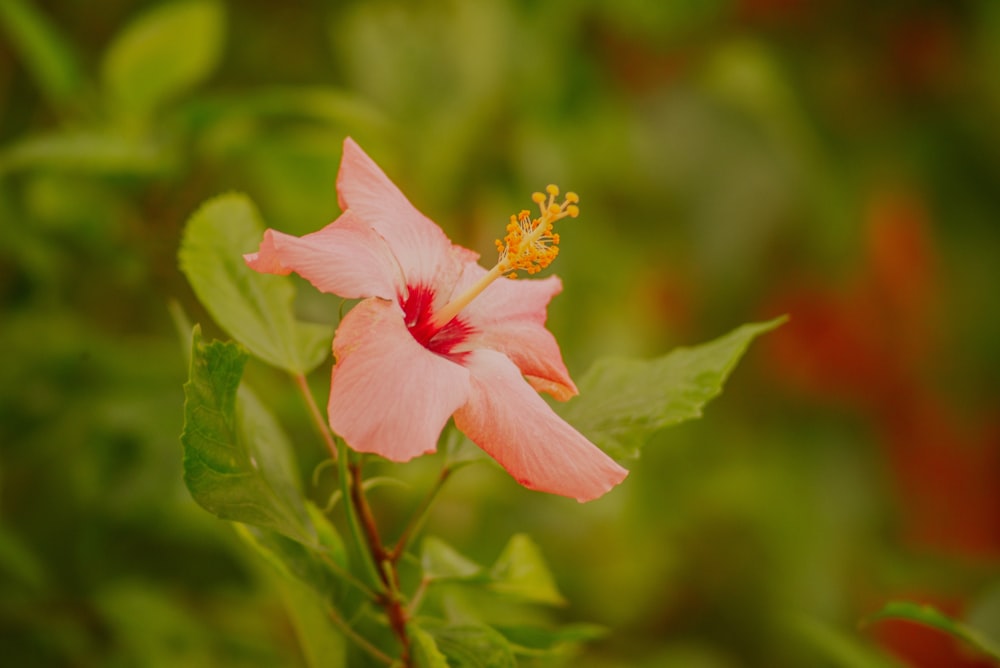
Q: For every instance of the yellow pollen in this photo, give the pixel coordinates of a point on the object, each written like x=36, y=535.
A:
x=530, y=245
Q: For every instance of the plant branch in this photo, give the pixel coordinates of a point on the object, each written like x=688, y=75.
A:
x=351, y=511
x=315, y=415
x=357, y=638
x=391, y=600
x=419, y=517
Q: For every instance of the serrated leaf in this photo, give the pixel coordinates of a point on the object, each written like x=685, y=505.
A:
x=521, y=571
x=469, y=645
x=441, y=561
x=425, y=651
x=934, y=618
x=165, y=51
x=623, y=402
x=255, y=309
x=237, y=462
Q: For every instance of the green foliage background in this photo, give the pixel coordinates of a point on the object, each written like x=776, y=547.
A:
x=735, y=160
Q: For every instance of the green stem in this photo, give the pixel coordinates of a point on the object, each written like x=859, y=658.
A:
x=419, y=517
x=352, y=518
x=315, y=415
x=357, y=638
x=349, y=578
x=392, y=600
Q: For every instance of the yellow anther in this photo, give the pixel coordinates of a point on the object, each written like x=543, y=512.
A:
x=529, y=245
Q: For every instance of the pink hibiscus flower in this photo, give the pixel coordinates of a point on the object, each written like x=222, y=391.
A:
x=437, y=336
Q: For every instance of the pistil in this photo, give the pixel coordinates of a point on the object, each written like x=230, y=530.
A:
x=529, y=245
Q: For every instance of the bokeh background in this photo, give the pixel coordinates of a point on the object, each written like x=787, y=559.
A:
x=736, y=159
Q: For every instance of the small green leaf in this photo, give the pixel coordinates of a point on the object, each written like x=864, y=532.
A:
x=440, y=561
x=934, y=618
x=237, y=462
x=469, y=645
x=167, y=50
x=623, y=402
x=45, y=52
x=521, y=571
x=255, y=309
x=425, y=650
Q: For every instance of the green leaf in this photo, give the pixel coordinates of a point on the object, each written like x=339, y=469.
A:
x=329, y=538
x=623, y=402
x=440, y=561
x=164, y=52
x=425, y=651
x=45, y=52
x=255, y=309
x=538, y=641
x=323, y=644
x=838, y=647
x=296, y=561
x=469, y=645
x=983, y=612
x=934, y=618
x=96, y=152
x=521, y=571
x=237, y=462
x=337, y=107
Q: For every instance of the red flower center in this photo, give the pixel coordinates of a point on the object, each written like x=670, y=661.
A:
x=418, y=311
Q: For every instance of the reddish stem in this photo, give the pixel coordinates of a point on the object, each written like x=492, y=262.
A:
x=386, y=566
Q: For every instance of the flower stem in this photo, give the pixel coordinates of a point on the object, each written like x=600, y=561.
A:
x=392, y=599
x=419, y=517
x=315, y=415
x=350, y=509
x=357, y=638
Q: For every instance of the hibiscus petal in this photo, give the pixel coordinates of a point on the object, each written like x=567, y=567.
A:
x=423, y=250
x=509, y=317
x=346, y=258
x=389, y=395
x=513, y=424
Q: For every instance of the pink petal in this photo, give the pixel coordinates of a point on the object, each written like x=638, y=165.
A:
x=509, y=317
x=421, y=247
x=389, y=395
x=346, y=258
x=513, y=424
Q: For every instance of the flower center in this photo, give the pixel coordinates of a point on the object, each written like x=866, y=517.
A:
x=417, y=312
x=530, y=245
